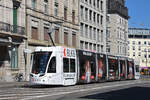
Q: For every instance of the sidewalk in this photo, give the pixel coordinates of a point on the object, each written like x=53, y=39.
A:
x=13, y=84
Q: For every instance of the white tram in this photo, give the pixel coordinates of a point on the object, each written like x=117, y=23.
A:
x=65, y=66
x=54, y=66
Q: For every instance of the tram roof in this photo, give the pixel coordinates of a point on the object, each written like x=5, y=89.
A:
x=50, y=48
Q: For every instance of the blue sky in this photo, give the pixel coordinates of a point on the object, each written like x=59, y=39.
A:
x=139, y=12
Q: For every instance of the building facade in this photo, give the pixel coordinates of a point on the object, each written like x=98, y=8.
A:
x=58, y=16
x=12, y=39
x=139, y=46
x=92, y=25
x=117, y=27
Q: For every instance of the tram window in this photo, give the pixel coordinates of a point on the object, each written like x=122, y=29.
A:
x=52, y=66
x=92, y=68
x=137, y=69
x=72, y=65
x=66, y=64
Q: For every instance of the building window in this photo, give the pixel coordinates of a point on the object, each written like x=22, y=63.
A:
x=86, y=45
x=90, y=32
x=139, y=53
x=102, y=35
x=90, y=46
x=98, y=18
x=133, y=54
x=98, y=48
x=81, y=12
x=57, y=35
x=101, y=20
x=139, y=48
x=34, y=34
x=81, y=29
x=86, y=14
x=66, y=38
x=145, y=42
x=98, y=35
x=133, y=42
x=94, y=3
x=94, y=33
x=102, y=47
x=65, y=13
x=33, y=4
x=73, y=16
x=14, y=57
x=74, y=40
x=95, y=47
x=145, y=56
x=90, y=15
x=46, y=37
x=101, y=5
x=133, y=47
x=148, y=42
x=46, y=6
x=98, y=3
x=90, y=1
x=94, y=17
x=86, y=30
x=81, y=44
x=56, y=9
x=139, y=42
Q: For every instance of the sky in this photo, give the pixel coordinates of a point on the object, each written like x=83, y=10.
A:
x=139, y=12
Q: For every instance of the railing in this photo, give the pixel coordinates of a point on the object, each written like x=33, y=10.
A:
x=5, y=27
x=12, y=28
x=18, y=29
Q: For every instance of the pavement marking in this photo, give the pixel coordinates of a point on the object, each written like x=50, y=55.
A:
x=3, y=96
x=9, y=98
x=82, y=90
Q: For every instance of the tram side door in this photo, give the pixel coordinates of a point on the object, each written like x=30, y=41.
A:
x=69, y=68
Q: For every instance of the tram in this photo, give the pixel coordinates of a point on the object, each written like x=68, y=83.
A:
x=137, y=70
x=59, y=65
x=54, y=66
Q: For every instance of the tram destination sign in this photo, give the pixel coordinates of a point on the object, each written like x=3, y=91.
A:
x=69, y=52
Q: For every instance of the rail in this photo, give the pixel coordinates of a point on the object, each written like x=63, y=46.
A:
x=14, y=29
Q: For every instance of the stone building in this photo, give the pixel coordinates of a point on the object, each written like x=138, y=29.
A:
x=117, y=27
x=93, y=25
x=61, y=16
x=139, y=46
x=12, y=39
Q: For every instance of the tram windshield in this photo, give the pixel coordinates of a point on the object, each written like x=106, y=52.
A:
x=40, y=60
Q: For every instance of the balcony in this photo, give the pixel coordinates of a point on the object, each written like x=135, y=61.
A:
x=5, y=27
x=18, y=30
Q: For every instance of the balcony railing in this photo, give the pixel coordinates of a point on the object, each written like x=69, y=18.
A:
x=18, y=29
x=12, y=28
x=5, y=27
